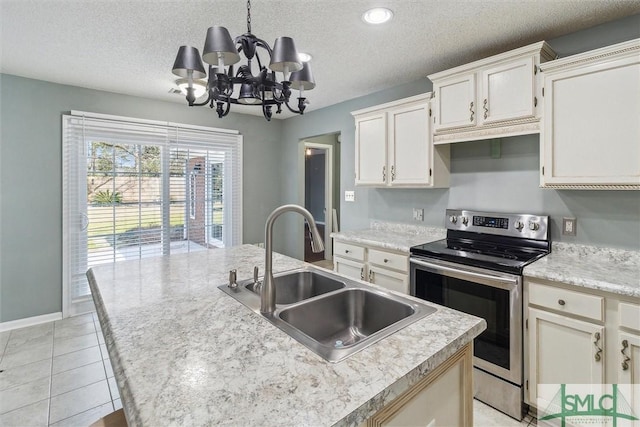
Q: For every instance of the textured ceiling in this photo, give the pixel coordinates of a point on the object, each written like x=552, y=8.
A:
x=129, y=46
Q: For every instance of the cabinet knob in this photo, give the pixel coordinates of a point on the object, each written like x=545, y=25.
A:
x=385, y=260
x=561, y=302
x=346, y=251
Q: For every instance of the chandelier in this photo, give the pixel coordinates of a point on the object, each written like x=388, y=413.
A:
x=261, y=89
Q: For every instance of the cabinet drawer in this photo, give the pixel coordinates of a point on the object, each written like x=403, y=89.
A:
x=566, y=301
x=629, y=315
x=348, y=251
x=389, y=260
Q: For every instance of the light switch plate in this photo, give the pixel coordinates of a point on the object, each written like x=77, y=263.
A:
x=569, y=226
x=349, y=196
x=418, y=214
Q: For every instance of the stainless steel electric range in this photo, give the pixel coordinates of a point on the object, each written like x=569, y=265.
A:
x=477, y=269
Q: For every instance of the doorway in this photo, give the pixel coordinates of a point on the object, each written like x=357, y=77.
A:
x=321, y=189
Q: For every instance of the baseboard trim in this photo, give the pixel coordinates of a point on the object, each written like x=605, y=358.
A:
x=29, y=321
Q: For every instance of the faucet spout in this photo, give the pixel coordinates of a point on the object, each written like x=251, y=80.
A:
x=268, y=292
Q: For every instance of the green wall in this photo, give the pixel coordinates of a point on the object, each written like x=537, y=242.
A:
x=511, y=183
x=31, y=179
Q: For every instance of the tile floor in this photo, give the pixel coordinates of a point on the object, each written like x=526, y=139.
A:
x=59, y=374
x=56, y=374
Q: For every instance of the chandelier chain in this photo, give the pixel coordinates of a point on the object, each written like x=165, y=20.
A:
x=249, y=16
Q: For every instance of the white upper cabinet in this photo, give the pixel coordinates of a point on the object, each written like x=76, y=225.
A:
x=394, y=146
x=494, y=97
x=455, y=102
x=508, y=91
x=371, y=149
x=410, y=154
x=591, y=136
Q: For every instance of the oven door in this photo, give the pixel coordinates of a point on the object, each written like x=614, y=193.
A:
x=492, y=295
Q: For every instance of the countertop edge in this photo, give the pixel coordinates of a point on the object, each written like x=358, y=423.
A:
x=133, y=418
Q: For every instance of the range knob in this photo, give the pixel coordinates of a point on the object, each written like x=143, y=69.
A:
x=519, y=225
x=453, y=219
x=465, y=220
x=533, y=226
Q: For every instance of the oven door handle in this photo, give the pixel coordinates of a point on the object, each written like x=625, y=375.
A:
x=462, y=273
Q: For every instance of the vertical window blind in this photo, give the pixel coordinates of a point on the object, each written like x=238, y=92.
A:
x=137, y=188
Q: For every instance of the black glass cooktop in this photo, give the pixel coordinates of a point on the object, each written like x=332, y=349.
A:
x=499, y=253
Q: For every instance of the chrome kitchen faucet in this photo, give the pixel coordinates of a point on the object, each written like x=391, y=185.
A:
x=268, y=292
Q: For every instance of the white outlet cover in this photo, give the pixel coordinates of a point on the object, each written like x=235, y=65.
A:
x=418, y=214
x=349, y=196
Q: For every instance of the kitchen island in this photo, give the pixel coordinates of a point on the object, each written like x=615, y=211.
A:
x=185, y=353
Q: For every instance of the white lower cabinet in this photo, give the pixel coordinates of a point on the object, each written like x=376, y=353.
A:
x=580, y=336
x=349, y=268
x=442, y=398
x=391, y=280
x=380, y=267
x=563, y=351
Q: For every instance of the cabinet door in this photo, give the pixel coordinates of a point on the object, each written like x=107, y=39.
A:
x=591, y=131
x=455, y=105
x=628, y=370
x=410, y=145
x=443, y=398
x=507, y=92
x=563, y=350
x=389, y=279
x=371, y=150
x=353, y=269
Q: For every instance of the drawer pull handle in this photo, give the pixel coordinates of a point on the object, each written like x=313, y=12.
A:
x=372, y=276
x=561, y=302
x=486, y=109
x=596, y=342
x=626, y=359
x=362, y=273
x=472, y=112
x=385, y=260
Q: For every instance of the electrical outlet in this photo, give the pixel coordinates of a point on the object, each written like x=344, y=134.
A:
x=349, y=196
x=569, y=226
x=418, y=214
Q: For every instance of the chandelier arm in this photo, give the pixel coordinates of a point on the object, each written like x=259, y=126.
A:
x=301, y=106
x=200, y=104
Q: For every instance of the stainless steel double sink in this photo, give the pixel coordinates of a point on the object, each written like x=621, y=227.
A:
x=331, y=315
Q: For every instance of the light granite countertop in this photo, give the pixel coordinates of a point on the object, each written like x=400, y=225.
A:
x=393, y=236
x=605, y=269
x=185, y=353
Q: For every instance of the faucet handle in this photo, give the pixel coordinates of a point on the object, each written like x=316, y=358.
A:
x=232, y=279
x=255, y=274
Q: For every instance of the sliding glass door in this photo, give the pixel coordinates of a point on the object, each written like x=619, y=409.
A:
x=137, y=190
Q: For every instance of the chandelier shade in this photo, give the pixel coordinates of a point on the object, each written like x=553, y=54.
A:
x=255, y=81
x=303, y=79
x=219, y=45
x=285, y=56
x=188, y=60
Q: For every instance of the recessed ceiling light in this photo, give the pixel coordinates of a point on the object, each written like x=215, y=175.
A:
x=200, y=86
x=304, y=57
x=377, y=15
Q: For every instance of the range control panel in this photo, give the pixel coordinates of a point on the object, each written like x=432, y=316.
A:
x=514, y=225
